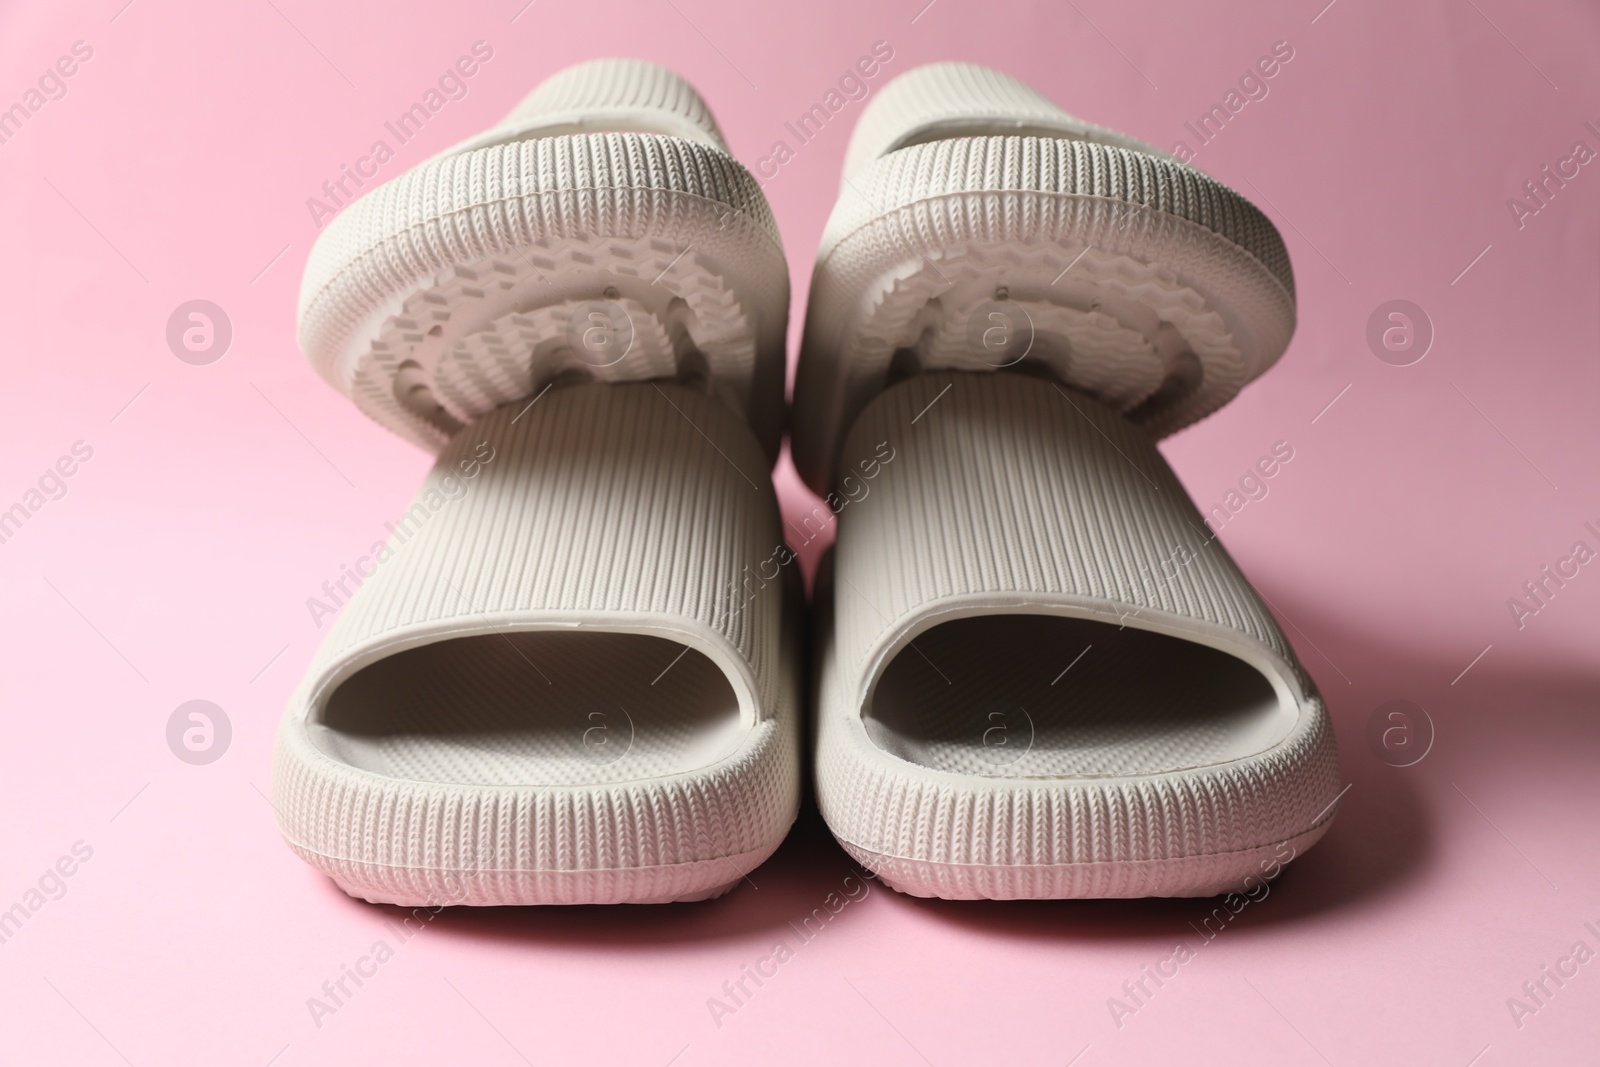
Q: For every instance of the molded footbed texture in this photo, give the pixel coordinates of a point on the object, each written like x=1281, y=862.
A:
x=1040, y=674
x=602, y=232
x=981, y=242
x=564, y=680
x=534, y=707
x=1125, y=702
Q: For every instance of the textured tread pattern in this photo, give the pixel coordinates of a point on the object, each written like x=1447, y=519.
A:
x=622, y=204
x=1071, y=223
x=1010, y=493
x=610, y=176
x=1095, y=353
x=1086, y=348
x=491, y=356
x=638, y=508
x=494, y=365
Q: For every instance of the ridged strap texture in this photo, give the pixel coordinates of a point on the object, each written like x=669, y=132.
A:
x=963, y=99
x=616, y=93
x=493, y=201
x=1007, y=490
x=1006, y=197
x=1013, y=486
x=636, y=507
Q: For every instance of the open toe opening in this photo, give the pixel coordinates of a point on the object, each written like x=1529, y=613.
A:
x=1031, y=696
x=534, y=708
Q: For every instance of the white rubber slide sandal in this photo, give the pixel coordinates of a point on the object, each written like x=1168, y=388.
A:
x=569, y=676
x=536, y=249
x=980, y=227
x=1040, y=675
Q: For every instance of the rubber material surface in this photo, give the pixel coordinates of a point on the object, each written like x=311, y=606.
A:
x=1040, y=674
x=475, y=279
x=967, y=245
x=565, y=681
x=568, y=676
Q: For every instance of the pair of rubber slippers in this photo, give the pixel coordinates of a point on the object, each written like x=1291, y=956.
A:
x=575, y=673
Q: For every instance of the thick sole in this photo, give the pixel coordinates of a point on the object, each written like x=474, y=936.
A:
x=566, y=682
x=445, y=887
x=478, y=278
x=1038, y=677
x=565, y=688
x=1191, y=876
x=1123, y=275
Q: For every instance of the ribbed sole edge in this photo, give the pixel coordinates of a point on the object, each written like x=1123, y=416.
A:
x=432, y=887
x=1183, y=876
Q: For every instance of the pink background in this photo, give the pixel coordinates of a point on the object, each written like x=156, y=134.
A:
x=177, y=566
